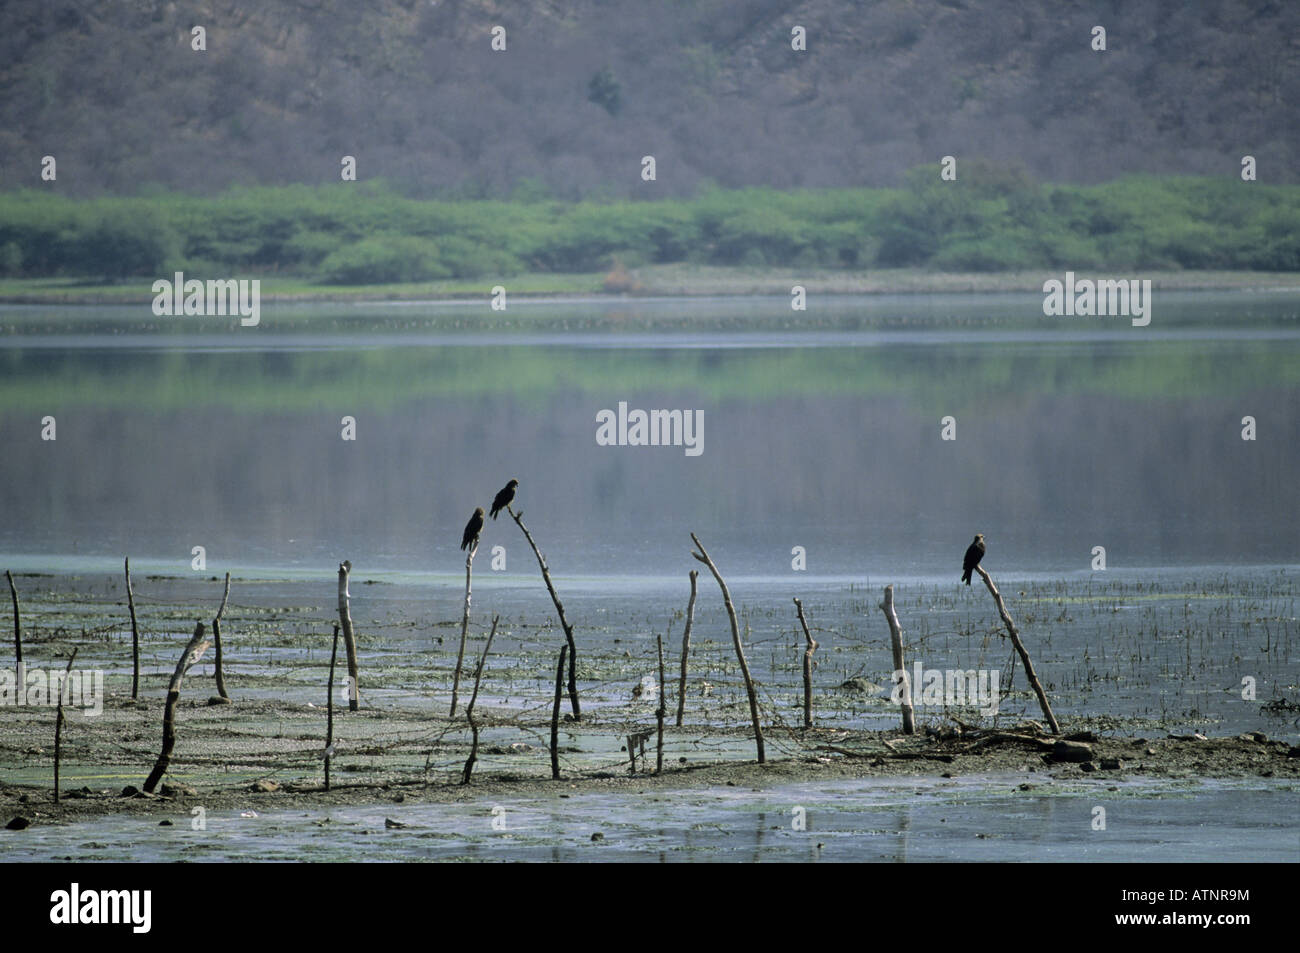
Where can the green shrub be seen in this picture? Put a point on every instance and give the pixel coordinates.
(383, 260)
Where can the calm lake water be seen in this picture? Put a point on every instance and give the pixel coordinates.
(822, 432)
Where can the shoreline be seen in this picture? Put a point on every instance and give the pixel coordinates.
(831, 755)
(658, 281)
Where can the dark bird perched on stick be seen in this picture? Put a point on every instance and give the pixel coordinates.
(974, 553)
(504, 498)
(473, 528)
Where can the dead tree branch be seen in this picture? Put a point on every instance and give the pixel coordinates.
(555, 715)
(807, 666)
(58, 723)
(469, 709)
(559, 609)
(349, 640)
(464, 628)
(135, 635)
(686, 648)
(900, 667)
(193, 652)
(1020, 648)
(703, 557)
(216, 641)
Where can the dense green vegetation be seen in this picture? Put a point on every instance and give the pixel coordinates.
(993, 218)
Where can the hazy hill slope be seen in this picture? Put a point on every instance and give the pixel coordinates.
(585, 88)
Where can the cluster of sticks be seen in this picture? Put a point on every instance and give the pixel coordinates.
(197, 645)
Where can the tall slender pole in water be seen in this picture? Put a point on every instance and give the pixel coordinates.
(349, 640)
(329, 708)
(135, 635)
(807, 666)
(686, 648)
(896, 643)
(58, 725)
(18, 635)
(464, 628)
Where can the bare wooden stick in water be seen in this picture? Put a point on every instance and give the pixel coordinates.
(464, 628)
(807, 666)
(135, 634)
(58, 725)
(216, 641)
(1020, 647)
(559, 610)
(660, 712)
(329, 709)
(18, 634)
(555, 716)
(193, 652)
(686, 648)
(896, 643)
(703, 557)
(469, 709)
(349, 640)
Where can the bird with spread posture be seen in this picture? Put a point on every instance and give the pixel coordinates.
(472, 528)
(974, 554)
(504, 498)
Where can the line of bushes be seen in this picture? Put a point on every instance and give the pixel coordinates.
(992, 218)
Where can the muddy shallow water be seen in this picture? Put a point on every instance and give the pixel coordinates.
(1132, 660)
(987, 818)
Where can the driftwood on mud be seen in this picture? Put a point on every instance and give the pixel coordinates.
(469, 709)
(896, 645)
(216, 642)
(1020, 648)
(18, 635)
(559, 610)
(135, 635)
(660, 711)
(703, 557)
(464, 628)
(349, 640)
(807, 666)
(686, 648)
(193, 652)
(58, 724)
(329, 708)
(555, 715)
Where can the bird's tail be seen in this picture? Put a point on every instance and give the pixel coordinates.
(965, 577)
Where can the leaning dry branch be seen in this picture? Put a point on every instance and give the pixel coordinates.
(135, 635)
(559, 609)
(464, 628)
(349, 640)
(1020, 647)
(18, 635)
(807, 666)
(686, 648)
(58, 724)
(329, 708)
(555, 715)
(216, 642)
(193, 652)
(703, 557)
(900, 668)
(469, 709)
